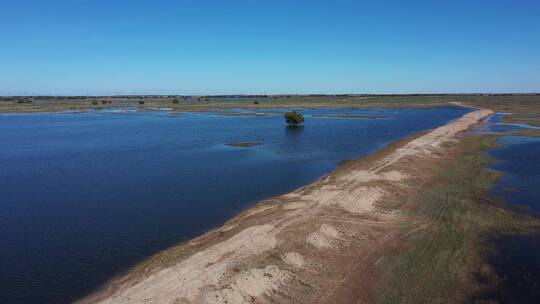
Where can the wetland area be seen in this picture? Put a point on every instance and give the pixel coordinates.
(89, 195)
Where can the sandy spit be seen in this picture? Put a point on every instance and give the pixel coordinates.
(295, 248)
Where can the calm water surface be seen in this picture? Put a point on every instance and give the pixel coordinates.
(517, 261)
(84, 196)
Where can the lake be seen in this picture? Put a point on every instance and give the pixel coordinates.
(85, 196)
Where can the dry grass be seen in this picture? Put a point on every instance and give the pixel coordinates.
(447, 225)
(497, 103)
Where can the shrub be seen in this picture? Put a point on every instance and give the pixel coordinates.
(175, 101)
(95, 102)
(103, 102)
(294, 118)
(255, 102)
(141, 102)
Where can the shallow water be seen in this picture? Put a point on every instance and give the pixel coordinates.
(519, 160)
(87, 195)
(517, 261)
(494, 125)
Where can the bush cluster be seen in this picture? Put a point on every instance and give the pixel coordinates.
(294, 118)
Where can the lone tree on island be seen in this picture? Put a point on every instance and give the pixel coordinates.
(294, 118)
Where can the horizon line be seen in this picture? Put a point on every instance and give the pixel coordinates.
(280, 94)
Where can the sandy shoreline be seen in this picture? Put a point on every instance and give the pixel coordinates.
(302, 247)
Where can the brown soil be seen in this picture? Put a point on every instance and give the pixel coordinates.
(317, 244)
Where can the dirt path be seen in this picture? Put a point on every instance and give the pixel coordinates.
(314, 245)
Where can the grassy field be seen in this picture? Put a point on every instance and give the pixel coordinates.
(41, 104)
(447, 230)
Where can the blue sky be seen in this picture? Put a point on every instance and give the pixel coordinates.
(224, 47)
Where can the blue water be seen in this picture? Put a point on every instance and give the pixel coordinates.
(494, 125)
(517, 261)
(519, 160)
(84, 196)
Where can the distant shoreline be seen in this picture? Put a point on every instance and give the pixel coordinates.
(212, 103)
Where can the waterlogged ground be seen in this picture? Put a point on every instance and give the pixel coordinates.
(517, 261)
(86, 195)
(519, 159)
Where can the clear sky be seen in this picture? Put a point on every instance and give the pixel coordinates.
(255, 46)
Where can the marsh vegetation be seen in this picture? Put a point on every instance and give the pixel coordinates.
(450, 224)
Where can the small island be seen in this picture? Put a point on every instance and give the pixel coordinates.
(245, 144)
(353, 116)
